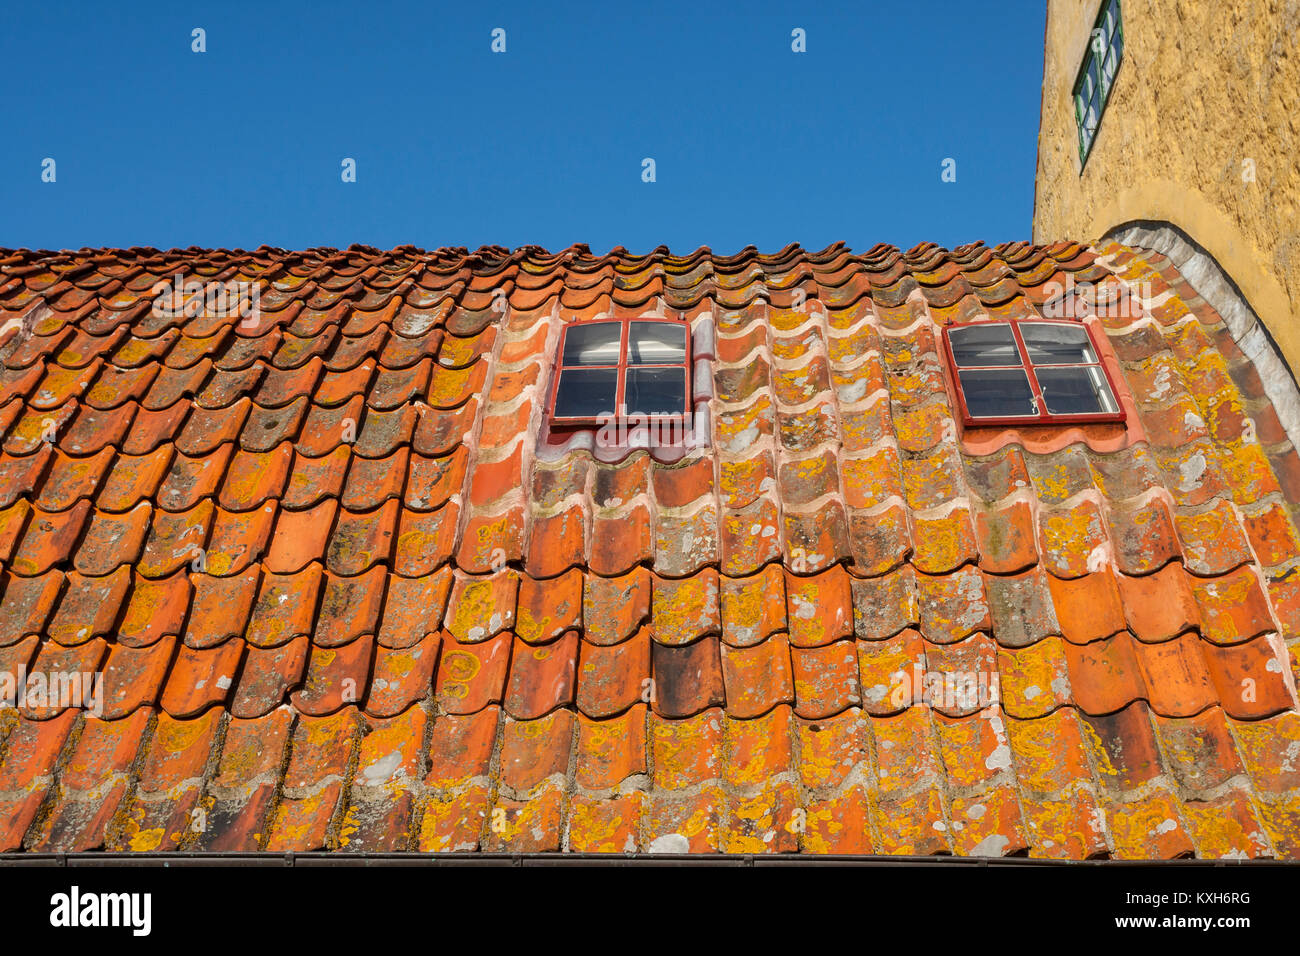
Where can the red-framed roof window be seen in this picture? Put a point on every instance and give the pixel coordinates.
(611, 369)
(1030, 371)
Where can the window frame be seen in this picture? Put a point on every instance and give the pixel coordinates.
(1042, 416)
(1114, 43)
(620, 398)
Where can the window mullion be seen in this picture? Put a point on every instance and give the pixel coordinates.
(620, 399)
(1028, 367)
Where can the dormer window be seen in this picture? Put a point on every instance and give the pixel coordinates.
(616, 368)
(1029, 372)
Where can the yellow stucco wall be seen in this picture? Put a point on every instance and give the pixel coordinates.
(1204, 86)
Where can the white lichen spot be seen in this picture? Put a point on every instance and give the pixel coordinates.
(1190, 472)
(669, 843)
(992, 845)
(742, 440)
(1162, 383)
(382, 769)
(852, 393)
(1000, 759)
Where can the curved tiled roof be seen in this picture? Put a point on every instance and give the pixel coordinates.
(344, 598)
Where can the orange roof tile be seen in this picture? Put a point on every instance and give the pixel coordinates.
(347, 592)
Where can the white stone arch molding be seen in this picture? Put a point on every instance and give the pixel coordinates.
(1212, 283)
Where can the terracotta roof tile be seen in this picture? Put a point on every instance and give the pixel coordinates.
(32, 750)
(133, 479)
(613, 678)
(413, 608)
(171, 784)
(92, 785)
(472, 676)
(49, 539)
(193, 480)
(613, 608)
(201, 678)
(268, 675)
(28, 602)
(70, 480)
(542, 677)
(402, 676)
(346, 593)
(220, 608)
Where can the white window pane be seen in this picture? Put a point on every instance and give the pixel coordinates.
(656, 391)
(656, 343)
(1057, 344)
(1075, 391)
(991, 344)
(586, 393)
(596, 343)
(997, 393)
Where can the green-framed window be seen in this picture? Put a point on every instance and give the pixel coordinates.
(1097, 74)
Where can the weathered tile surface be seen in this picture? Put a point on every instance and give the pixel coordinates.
(347, 593)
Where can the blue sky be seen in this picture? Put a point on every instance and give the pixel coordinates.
(753, 143)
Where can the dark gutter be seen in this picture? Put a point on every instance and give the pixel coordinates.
(346, 859)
